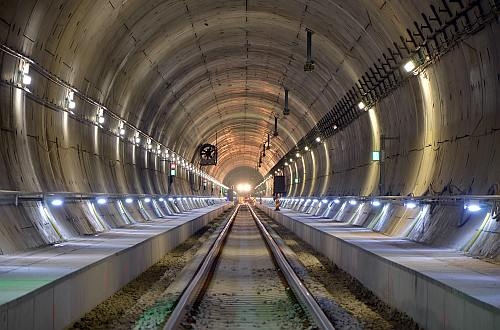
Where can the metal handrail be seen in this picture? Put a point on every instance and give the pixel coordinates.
(424, 199)
(20, 196)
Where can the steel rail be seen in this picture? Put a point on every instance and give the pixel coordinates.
(293, 280)
(198, 281)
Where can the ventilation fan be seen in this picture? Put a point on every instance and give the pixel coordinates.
(208, 154)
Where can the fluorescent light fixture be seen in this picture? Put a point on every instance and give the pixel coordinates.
(324, 201)
(170, 199)
(318, 139)
(336, 201)
(57, 202)
(376, 155)
(161, 199)
(26, 80)
(101, 200)
(353, 202)
(128, 200)
(410, 205)
(147, 200)
(376, 203)
(361, 105)
(25, 67)
(409, 66)
(473, 207)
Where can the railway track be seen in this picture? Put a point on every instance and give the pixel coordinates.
(246, 282)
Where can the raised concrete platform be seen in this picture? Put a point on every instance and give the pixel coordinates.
(52, 287)
(438, 288)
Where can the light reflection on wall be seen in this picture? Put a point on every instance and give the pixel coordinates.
(296, 175)
(303, 183)
(324, 187)
(312, 185)
(372, 179)
(117, 156)
(424, 169)
(96, 140)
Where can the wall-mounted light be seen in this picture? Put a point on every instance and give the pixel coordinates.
(318, 139)
(101, 200)
(121, 128)
(297, 155)
(128, 200)
(472, 207)
(376, 155)
(376, 203)
(147, 200)
(336, 201)
(353, 202)
(57, 202)
(410, 205)
(361, 105)
(24, 70)
(70, 100)
(410, 66)
(306, 148)
(100, 116)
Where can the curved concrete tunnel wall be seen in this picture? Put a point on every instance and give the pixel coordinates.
(161, 67)
(447, 122)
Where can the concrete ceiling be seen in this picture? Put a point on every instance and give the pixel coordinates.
(187, 72)
(193, 72)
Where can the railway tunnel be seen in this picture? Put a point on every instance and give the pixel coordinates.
(127, 125)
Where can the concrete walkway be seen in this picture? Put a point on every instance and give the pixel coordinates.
(48, 288)
(440, 288)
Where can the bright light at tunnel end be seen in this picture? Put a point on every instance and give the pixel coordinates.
(243, 187)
